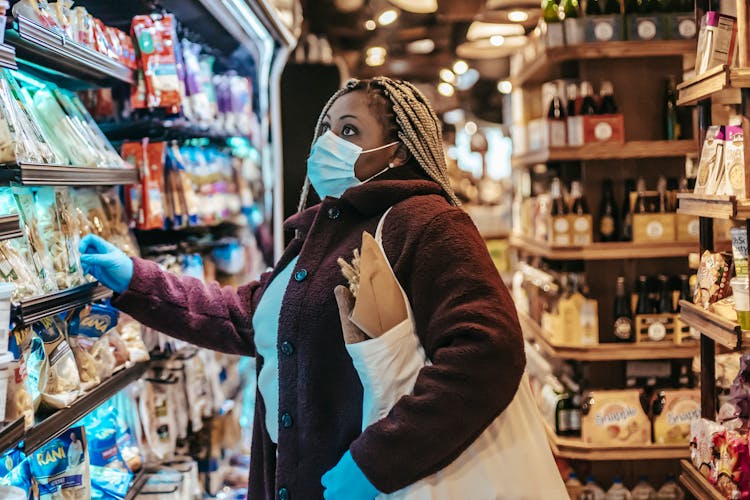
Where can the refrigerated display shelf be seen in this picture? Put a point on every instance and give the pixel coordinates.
(37, 174)
(696, 483)
(721, 84)
(28, 311)
(11, 434)
(57, 423)
(603, 251)
(43, 51)
(724, 332)
(605, 352)
(607, 151)
(10, 227)
(573, 448)
(7, 57)
(542, 67)
(715, 206)
(166, 129)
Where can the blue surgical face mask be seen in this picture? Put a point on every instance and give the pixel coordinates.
(330, 166)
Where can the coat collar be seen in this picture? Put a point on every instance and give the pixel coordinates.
(373, 197)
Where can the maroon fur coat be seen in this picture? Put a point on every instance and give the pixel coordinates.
(464, 316)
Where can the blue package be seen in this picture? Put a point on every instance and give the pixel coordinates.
(93, 321)
(62, 464)
(14, 471)
(102, 439)
(110, 484)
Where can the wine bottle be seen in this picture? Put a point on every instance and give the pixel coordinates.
(588, 106)
(644, 305)
(558, 204)
(593, 8)
(580, 207)
(623, 315)
(572, 106)
(672, 129)
(666, 301)
(608, 219)
(626, 228)
(608, 105)
(556, 110)
(641, 204)
(684, 290)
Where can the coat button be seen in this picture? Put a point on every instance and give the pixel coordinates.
(287, 348)
(283, 494)
(300, 275)
(334, 213)
(286, 421)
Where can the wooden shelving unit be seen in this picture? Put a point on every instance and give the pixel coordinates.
(724, 332)
(696, 484)
(606, 352)
(575, 449)
(722, 84)
(603, 251)
(608, 151)
(714, 206)
(542, 67)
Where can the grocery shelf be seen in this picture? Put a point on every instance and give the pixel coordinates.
(715, 206)
(58, 422)
(541, 68)
(11, 434)
(28, 311)
(721, 83)
(575, 449)
(136, 485)
(10, 227)
(606, 352)
(167, 129)
(724, 332)
(603, 251)
(607, 151)
(43, 51)
(696, 483)
(7, 57)
(37, 174)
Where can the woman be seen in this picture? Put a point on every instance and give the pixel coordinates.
(377, 145)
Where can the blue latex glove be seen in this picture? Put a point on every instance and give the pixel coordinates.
(106, 262)
(347, 482)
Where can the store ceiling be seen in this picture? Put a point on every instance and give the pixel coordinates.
(343, 22)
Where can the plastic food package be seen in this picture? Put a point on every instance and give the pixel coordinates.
(196, 388)
(61, 11)
(172, 372)
(732, 470)
(120, 235)
(130, 333)
(736, 412)
(91, 216)
(109, 484)
(15, 471)
(117, 347)
(158, 418)
(702, 433)
(37, 11)
(61, 467)
(84, 23)
(155, 37)
(58, 225)
(15, 269)
(713, 276)
(19, 401)
(87, 335)
(129, 430)
(37, 249)
(63, 382)
(101, 431)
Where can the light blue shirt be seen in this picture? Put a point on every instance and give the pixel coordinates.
(266, 329)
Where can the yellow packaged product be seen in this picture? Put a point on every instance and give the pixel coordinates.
(673, 411)
(615, 418)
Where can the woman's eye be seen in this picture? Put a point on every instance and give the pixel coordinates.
(348, 131)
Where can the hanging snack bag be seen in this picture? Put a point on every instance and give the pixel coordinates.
(153, 187)
(61, 467)
(154, 36)
(38, 253)
(58, 228)
(19, 401)
(158, 418)
(90, 347)
(63, 382)
(102, 439)
(37, 11)
(15, 471)
(130, 333)
(713, 276)
(129, 430)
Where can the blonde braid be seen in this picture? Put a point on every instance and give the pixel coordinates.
(418, 128)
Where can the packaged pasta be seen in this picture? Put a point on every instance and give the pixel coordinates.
(63, 381)
(36, 368)
(15, 471)
(120, 233)
(38, 11)
(71, 234)
(14, 268)
(129, 430)
(157, 413)
(37, 249)
(88, 331)
(118, 348)
(109, 484)
(61, 467)
(101, 432)
(19, 402)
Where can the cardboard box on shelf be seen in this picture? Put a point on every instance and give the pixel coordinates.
(688, 227)
(589, 129)
(614, 418)
(603, 28)
(653, 228)
(716, 41)
(681, 26)
(673, 412)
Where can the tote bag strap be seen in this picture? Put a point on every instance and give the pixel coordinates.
(379, 230)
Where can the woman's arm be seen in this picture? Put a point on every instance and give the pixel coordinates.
(185, 308)
(468, 326)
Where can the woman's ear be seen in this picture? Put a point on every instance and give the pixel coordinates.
(401, 156)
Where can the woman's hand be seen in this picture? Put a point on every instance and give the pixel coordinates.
(346, 481)
(106, 262)
(345, 301)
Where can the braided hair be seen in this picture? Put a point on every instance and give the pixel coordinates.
(407, 116)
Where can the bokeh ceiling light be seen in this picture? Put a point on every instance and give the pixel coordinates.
(416, 6)
(376, 52)
(446, 89)
(497, 40)
(447, 75)
(375, 61)
(424, 46)
(387, 17)
(470, 128)
(504, 87)
(484, 49)
(370, 25)
(460, 67)
(468, 79)
(518, 16)
(479, 30)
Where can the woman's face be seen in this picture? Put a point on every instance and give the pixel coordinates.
(351, 118)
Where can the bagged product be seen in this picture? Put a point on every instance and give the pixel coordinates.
(713, 277)
(15, 471)
(14, 268)
(121, 235)
(158, 418)
(37, 11)
(63, 14)
(703, 432)
(129, 430)
(63, 382)
(86, 334)
(172, 372)
(36, 368)
(61, 467)
(711, 161)
(130, 333)
(19, 402)
(156, 46)
(109, 484)
(71, 233)
(102, 439)
(732, 465)
(37, 249)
